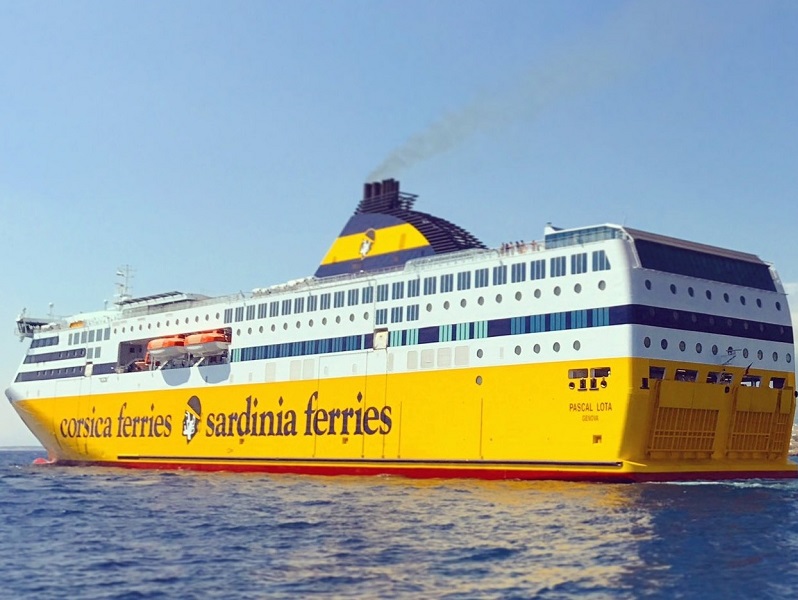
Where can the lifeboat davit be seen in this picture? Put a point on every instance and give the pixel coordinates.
(167, 348)
(208, 343)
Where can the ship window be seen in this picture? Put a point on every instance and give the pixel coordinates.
(250, 312)
(91, 336)
(500, 275)
(686, 375)
(429, 285)
(577, 373)
(368, 294)
(600, 261)
(656, 372)
(413, 287)
(777, 383)
(325, 301)
(578, 263)
(228, 315)
(338, 299)
(557, 266)
(382, 292)
(412, 312)
(396, 314)
(274, 309)
(381, 316)
(464, 280)
(286, 307)
(352, 297)
(447, 283)
(239, 313)
(263, 311)
(481, 278)
(90, 353)
(601, 372)
(312, 303)
(83, 336)
(299, 305)
(97, 352)
(537, 269)
(518, 272)
(107, 333)
(726, 378)
(751, 381)
(398, 290)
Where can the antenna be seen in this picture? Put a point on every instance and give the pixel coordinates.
(123, 287)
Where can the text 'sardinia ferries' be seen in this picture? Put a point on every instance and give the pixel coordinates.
(597, 353)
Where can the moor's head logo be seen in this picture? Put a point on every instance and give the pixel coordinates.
(191, 420)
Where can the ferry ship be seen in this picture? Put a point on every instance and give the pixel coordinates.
(599, 353)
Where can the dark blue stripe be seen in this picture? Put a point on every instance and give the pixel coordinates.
(360, 223)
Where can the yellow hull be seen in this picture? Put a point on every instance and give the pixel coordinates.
(514, 422)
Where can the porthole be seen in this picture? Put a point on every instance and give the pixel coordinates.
(778, 305)
(556, 346)
(714, 349)
(537, 293)
(249, 331)
(260, 329)
(273, 327)
(536, 348)
(480, 300)
(158, 324)
(557, 290)
(577, 345)
(238, 332)
(664, 344)
(742, 300)
(207, 317)
(745, 352)
(310, 323)
(690, 291)
(149, 325)
(479, 380)
(366, 316)
(324, 321)
(298, 324)
(729, 350)
(123, 330)
(429, 307)
(499, 298)
(186, 320)
(682, 346)
(648, 284)
(285, 326)
(725, 297)
(602, 285)
(760, 355)
(759, 302)
(196, 319)
(518, 295)
(167, 323)
(673, 288)
(463, 303)
(480, 353)
(352, 317)
(647, 342)
(698, 348)
(446, 305)
(709, 295)
(141, 327)
(217, 315)
(775, 356)
(518, 349)
(578, 288)
(789, 357)
(338, 319)
(114, 330)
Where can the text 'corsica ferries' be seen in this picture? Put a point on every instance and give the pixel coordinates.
(598, 353)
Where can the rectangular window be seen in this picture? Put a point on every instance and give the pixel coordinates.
(85, 334)
(239, 313)
(600, 261)
(312, 303)
(338, 299)
(352, 297)
(518, 272)
(429, 285)
(557, 266)
(382, 292)
(263, 310)
(398, 291)
(464, 280)
(685, 375)
(447, 283)
(412, 312)
(274, 308)
(325, 301)
(413, 287)
(368, 295)
(299, 305)
(396, 314)
(481, 278)
(91, 336)
(537, 269)
(286, 309)
(382, 316)
(578, 263)
(500, 275)
(228, 316)
(107, 333)
(250, 312)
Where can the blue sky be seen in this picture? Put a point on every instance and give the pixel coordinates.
(221, 146)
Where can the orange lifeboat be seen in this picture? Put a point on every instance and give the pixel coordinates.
(167, 348)
(207, 343)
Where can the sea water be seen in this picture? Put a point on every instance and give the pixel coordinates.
(114, 533)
